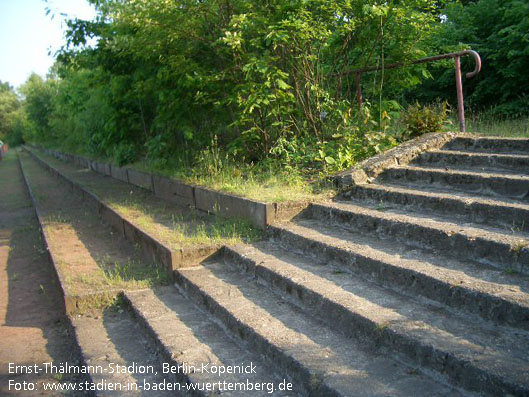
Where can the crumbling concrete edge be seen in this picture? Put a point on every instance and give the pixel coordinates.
(369, 169)
(151, 247)
(227, 205)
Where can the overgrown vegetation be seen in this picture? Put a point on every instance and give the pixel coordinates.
(12, 116)
(188, 229)
(235, 94)
(421, 119)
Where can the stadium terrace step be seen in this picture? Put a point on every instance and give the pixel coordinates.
(489, 144)
(475, 288)
(488, 184)
(504, 214)
(316, 355)
(482, 161)
(193, 346)
(444, 340)
(419, 230)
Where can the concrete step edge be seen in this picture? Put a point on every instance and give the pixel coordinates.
(495, 185)
(478, 210)
(502, 144)
(175, 352)
(499, 250)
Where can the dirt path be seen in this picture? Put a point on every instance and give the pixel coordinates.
(33, 328)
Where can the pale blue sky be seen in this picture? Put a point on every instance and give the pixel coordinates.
(27, 34)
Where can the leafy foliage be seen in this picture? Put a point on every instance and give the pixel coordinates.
(422, 119)
(9, 113)
(205, 86)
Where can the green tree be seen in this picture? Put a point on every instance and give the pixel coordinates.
(9, 106)
(259, 79)
(39, 95)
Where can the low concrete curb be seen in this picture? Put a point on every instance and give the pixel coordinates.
(224, 204)
(369, 169)
(152, 248)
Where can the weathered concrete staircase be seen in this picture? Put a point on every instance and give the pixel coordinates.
(413, 285)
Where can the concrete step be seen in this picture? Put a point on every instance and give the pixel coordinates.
(481, 161)
(320, 357)
(489, 144)
(419, 230)
(105, 342)
(490, 184)
(84, 251)
(475, 288)
(194, 346)
(426, 333)
(507, 214)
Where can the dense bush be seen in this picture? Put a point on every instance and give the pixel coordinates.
(9, 115)
(267, 81)
(422, 119)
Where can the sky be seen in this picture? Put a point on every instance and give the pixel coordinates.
(27, 34)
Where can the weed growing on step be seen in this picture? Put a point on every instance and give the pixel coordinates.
(380, 328)
(382, 207)
(187, 227)
(517, 247)
(217, 230)
(132, 275)
(56, 218)
(97, 301)
(517, 228)
(511, 271)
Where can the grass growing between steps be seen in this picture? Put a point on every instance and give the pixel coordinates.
(176, 226)
(186, 228)
(94, 263)
(89, 267)
(265, 184)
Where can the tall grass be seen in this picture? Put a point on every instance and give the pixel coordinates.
(266, 181)
(493, 125)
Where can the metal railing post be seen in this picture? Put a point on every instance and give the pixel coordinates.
(459, 83)
(459, 89)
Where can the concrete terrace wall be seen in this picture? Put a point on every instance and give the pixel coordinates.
(224, 204)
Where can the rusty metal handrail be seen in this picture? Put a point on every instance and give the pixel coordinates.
(459, 84)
